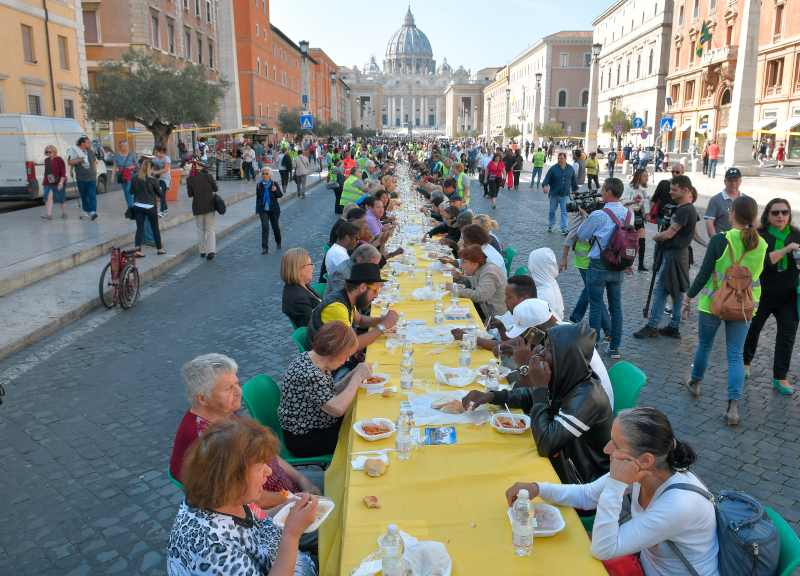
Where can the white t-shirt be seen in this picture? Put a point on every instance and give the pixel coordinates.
(335, 256)
(158, 164)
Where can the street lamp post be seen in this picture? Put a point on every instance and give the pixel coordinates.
(536, 104)
(349, 124)
(304, 76)
(334, 102)
(508, 109)
(593, 120)
(522, 117)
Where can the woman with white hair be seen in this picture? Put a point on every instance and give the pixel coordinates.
(488, 224)
(543, 268)
(214, 394)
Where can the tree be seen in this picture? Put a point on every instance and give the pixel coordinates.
(511, 131)
(461, 134)
(330, 130)
(142, 88)
(550, 130)
(618, 116)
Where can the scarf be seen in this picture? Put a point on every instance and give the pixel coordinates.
(266, 194)
(780, 239)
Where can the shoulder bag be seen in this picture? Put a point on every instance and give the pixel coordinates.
(219, 204)
(733, 298)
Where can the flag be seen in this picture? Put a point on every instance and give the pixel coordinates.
(705, 36)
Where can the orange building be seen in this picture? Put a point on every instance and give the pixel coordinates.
(322, 87)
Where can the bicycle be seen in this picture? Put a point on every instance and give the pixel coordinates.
(119, 281)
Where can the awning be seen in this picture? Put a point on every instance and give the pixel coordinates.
(245, 130)
(786, 125)
(762, 124)
(684, 126)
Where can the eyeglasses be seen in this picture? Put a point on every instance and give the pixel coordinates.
(678, 172)
(309, 264)
(781, 212)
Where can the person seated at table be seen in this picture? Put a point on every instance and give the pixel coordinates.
(646, 460)
(375, 211)
(543, 268)
(489, 225)
(438, 206)
(570, 412)
(348, 236)
(451, 225)
(358, 293)
(483, 282)
(475, 235)
(339, 221)
(299, 298)
(215, 530)
(363, 253)
(214, 394)
(312, 405)
(454, 199)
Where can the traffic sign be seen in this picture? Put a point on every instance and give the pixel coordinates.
(306, 121)
(133, 131)
(649, 129)
(638, 122)
(644, 134)
(618, 127)
(667, 124)
(186, 126)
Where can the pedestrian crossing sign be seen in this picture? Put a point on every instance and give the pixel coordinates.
(307, 122)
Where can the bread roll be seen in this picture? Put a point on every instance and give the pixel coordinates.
(437, 404)
(453, 407)
(374, 467)
(387, 392)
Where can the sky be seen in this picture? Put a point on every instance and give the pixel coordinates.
(469, 33)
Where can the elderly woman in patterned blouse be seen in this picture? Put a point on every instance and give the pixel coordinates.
(312, 405)
(215, 531)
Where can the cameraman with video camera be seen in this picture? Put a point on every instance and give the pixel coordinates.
(677, 232)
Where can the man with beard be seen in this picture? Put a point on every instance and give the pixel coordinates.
(358, 293)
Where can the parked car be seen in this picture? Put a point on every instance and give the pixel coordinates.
(104, 152)
(22, 154)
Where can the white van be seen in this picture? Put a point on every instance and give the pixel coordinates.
(22, 153)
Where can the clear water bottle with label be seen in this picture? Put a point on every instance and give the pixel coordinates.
(402, 331)
(472, 333)
(438, 311)
(492, 376)
(465, 356)
(402, 438)
(522, 526)
(406, 373)
(429, 276)
(411, 270)
(384, 307)
(392, 549)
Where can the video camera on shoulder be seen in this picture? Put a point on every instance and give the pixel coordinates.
(587, 200)
(669, 212)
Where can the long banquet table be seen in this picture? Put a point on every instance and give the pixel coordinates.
(442, 490)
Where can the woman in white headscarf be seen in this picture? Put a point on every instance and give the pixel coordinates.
(543, 268)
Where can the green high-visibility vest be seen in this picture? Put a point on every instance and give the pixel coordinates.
(582, 255)
(330, 159)
(461, 187)
(350, 194)
(445, 171)
(753, 261)
(438, 167)
(538, 159)
(362, 161)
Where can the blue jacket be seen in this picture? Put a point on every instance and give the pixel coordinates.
(262, 191)
(562, 182)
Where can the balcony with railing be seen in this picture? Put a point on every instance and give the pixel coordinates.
(717, 55)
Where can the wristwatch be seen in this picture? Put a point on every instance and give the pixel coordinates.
(381, 327)
(523, 370)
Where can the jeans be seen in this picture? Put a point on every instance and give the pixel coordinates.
(787, 321)
(583, 303)
(660, 301)
(735, 334)
(152, 216)
(600, 280)
(537, 172)
(642, 164)
(266, 218)
(126, 189)
(88, 191)
(164, 189)
(611, 171)
(592, 178)
(248, 171)
(712, 168)
(558, 202)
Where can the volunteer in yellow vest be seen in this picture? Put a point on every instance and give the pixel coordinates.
(446, 167)
(354, 188)
(592, 166)
(538, 164)
(462, 182)
(751, 248)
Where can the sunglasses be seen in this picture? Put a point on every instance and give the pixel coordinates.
(374, 288)
(48, 151)
(676, 172)
(780, 212)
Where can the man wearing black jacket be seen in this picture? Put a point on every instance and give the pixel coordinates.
(571, 415)
(452, 225)
(662, 195)
(268, 209)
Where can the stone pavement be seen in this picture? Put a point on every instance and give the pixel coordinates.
(90, 412)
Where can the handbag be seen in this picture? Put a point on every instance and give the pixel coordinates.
(219, 204)
(48, 173)
(332, 185)
(129, 213)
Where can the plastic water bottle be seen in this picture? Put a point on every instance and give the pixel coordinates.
(465, 357)
(492, 376)
(384, 307)
(402, 439)
(438, 309)
(392, 549)
(406, 372)
(401, 327)
(472, 333)
(411, 270)
(428, 277)
(522, 527)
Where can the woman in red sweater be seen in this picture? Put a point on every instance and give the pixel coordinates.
(495, 172)
(54, 182)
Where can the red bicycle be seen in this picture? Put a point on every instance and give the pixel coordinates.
(119, 281)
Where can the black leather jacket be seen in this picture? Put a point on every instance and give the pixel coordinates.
(571, 421)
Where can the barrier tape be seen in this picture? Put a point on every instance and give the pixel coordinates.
(103, 132)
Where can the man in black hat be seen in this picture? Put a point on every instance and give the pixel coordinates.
(359, 291)
(717, 215)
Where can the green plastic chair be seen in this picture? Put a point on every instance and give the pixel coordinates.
(299, 336)
(626, 381)
(790, 544)
(508, 256)
(178, 484)
(325, 276)
(294, 326)
(262, 396)
(326, 248)
(320, 288)
(588, 522)
(521, 271)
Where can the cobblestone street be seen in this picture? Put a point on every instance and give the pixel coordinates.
(90, 412)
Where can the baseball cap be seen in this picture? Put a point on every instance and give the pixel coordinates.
(454, 197)
(529, 313)
(733, 173)
(464, 218)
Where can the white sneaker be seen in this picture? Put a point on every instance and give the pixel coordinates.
(85, 216)
(161, 214)
(166, 211)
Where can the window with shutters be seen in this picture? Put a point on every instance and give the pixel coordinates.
(34, 105)
(564, 60)
(210, 54)
(63, 53)
(187, 44)
(171, 36)
(208, 11)
(27, 45)
(69, 108)
(156, 39)
(199, 50)
(562, 99)
(197, 8)
(91, 31)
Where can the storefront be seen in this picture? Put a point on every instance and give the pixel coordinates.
(788, 132)
(684, 136)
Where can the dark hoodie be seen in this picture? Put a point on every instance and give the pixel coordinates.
(571, 420)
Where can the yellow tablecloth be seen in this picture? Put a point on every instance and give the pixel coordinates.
(441, 490)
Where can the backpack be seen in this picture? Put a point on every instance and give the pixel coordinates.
(749, 544)
(733, 299)
(620, 252)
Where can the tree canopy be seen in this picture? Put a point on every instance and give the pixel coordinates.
(550, 130)
(142, 88)
(511, 131)
(618, 116)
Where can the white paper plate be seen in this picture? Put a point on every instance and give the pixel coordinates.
(385, 377)
(360, 432)
(539, 532)
(425, 256)
(517, 418)
(481, 379)
(324, 504)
